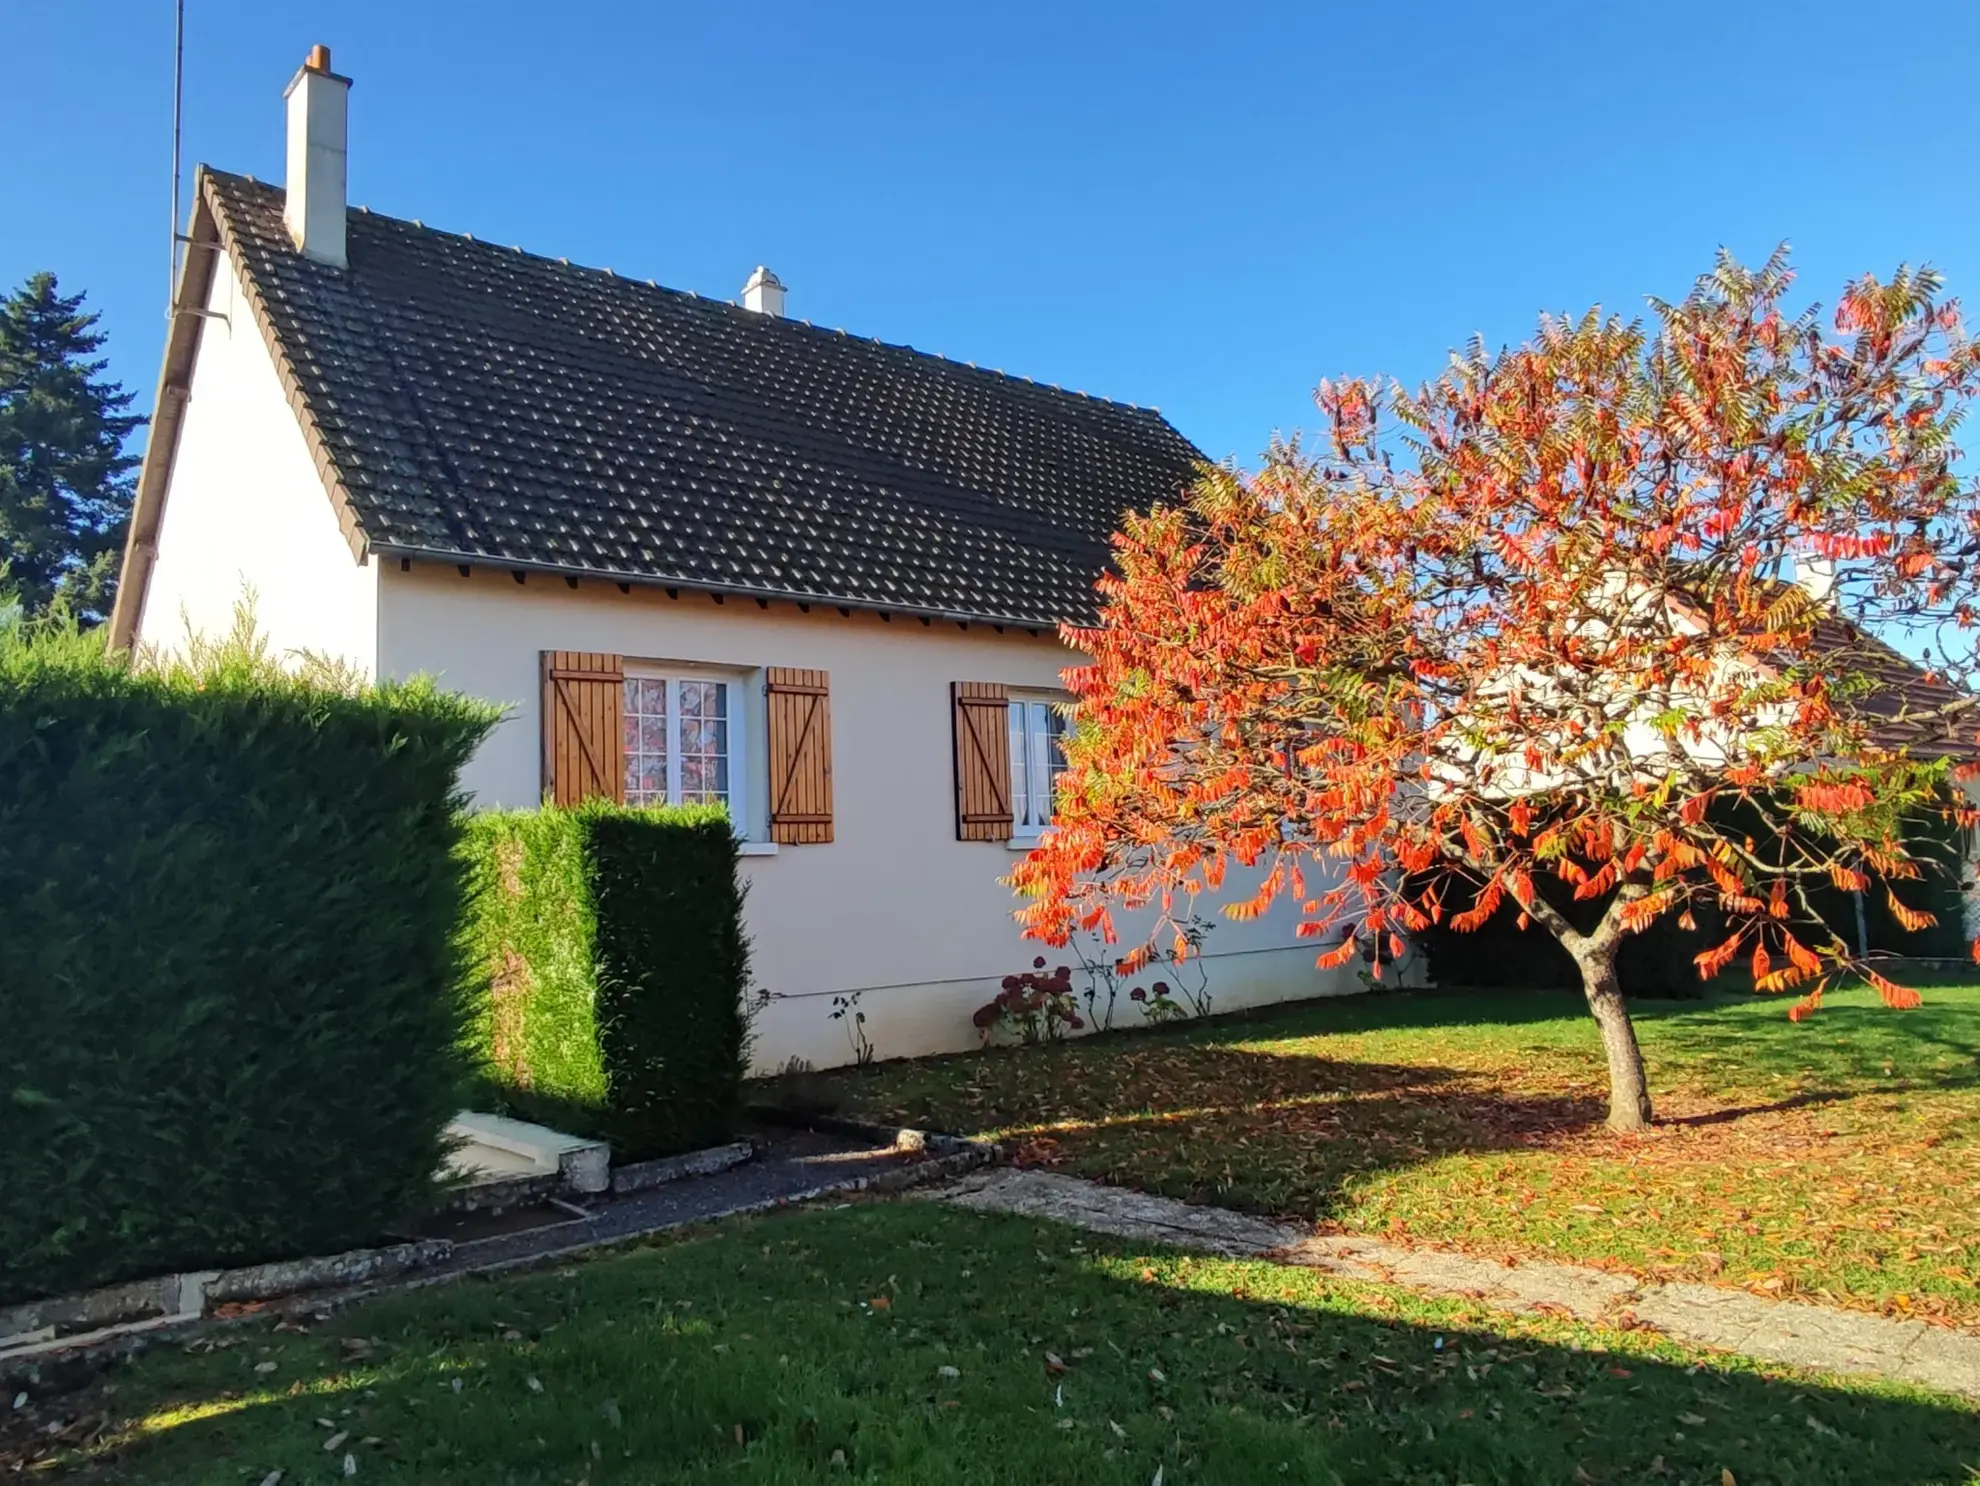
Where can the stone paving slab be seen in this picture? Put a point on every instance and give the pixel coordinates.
(1083, 1204)
(1783, 1331)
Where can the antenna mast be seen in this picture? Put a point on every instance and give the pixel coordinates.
(178, 117)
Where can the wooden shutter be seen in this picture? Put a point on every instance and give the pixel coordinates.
(983, 760)
(800, 755)
(584, 705)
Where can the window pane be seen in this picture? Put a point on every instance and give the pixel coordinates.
(1020, 751)
(1055, 756)
(1041, 769)
(704, 742)
(644, 741)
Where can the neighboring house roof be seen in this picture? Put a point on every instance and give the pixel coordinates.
(480, 404)
(1917, 711)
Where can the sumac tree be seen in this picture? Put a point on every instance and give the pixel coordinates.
(1535, 620)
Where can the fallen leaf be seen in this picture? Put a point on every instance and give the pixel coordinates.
(535, 1383)
(945, 1371)
(1054, 1364)
(1726, 1477)
(881, 1303)
(1693, 1420)
(273, 1478)
(350, 1464)
(330, 1445)
(264, 1367)
(610, 1409)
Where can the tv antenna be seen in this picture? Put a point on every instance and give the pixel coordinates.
(178, 121)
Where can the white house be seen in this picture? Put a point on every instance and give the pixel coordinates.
(704, 551)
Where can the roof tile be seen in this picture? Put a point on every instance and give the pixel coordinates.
(485, 404)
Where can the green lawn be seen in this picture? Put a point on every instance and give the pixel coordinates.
(907, 1342)
(1838, 1157)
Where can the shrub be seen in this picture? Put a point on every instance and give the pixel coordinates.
(231, 993)
(613, 964)
(1036, 1005)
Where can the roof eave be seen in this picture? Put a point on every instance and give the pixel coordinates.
(702, 585)
(189, 295)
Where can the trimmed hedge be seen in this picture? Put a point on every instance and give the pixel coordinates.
(231, 988)
(613, 968)
(1660, 961)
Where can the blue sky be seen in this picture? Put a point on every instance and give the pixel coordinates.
(1205, 208)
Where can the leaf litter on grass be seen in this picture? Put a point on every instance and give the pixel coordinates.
(1840, 1165)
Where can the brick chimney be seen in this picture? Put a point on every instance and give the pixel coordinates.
(319, 117)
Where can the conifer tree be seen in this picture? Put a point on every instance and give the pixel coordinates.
(66, 479)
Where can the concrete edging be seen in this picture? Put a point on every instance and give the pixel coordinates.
(642, 1176)
(63, 1326)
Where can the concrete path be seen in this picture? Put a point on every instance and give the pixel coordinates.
(1783, 1331)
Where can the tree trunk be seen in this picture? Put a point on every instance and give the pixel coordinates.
(1629, 1089)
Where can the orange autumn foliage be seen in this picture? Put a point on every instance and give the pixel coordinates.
(1530, 624)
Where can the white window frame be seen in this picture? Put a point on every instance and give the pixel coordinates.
(736, 694)
(1030, 728)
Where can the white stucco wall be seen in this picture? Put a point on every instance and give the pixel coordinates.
(894, 907)
(247, 510)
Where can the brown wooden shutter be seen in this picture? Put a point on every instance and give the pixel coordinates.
(983, 760)
(584, 706)
(800, 755)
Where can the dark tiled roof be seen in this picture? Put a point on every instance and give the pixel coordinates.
(1911, 708)
(487, 404)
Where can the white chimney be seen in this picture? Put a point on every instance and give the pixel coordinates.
(1816, 575)
(764, 292)
(319, 118)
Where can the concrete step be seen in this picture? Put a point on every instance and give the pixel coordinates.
(497, 1148)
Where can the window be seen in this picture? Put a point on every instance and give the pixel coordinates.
(683, 742)
(1037, 759)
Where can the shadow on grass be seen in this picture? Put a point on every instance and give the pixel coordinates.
(1812, 1099)
(913, 1343)
(1265, 1113)
(1241, 1126)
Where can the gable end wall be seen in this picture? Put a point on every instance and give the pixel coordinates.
(246, 510)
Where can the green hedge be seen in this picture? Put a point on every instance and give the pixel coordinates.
(231, 988)
(614, 967)
(1660, 961)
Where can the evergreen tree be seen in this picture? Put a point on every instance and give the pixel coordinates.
(65, 481)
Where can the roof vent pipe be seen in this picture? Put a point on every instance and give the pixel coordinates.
(317, 188)
(764, 293)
